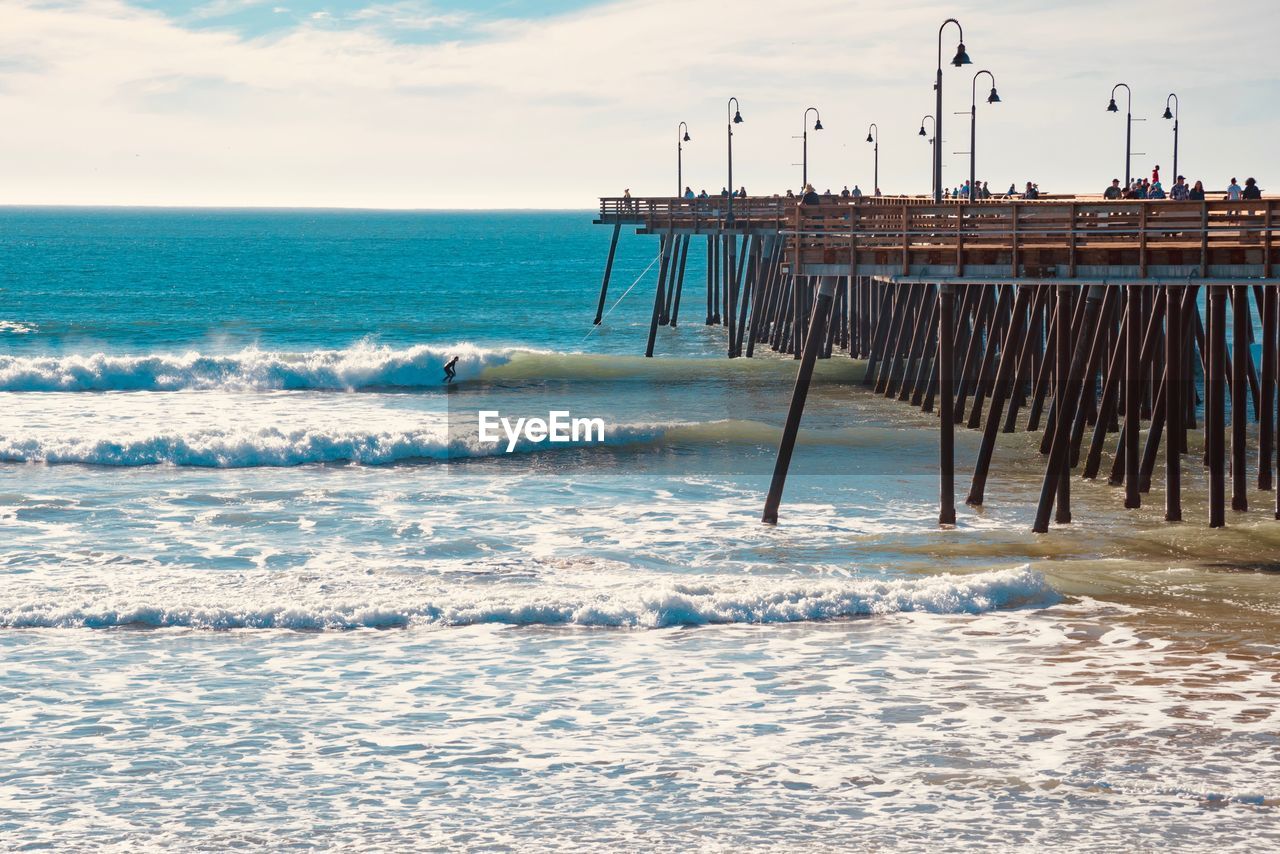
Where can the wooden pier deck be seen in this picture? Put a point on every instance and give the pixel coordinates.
(1081, 316)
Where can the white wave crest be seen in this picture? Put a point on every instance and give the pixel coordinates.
(709, 601)
(17, 327)
(272, 447)
(349, 369)
(370, 366)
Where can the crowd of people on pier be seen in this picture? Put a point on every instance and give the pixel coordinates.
(1180, 191)
(1138, 188)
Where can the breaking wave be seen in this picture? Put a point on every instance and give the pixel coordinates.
(272, 447)
(360, 367)
(709, 602)
(370, 366)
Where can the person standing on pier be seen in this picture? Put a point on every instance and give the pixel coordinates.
(1155, 174)
(1251, 190)
(1179, 191)
(1233, 191)
(1113, 192)
(1197, 192)
(811, 196)
(449, 373)
(688, 192)
(857, 191)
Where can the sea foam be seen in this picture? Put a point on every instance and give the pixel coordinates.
(349, 369)
(709, 601)
(373, 366)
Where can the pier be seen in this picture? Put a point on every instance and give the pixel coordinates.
(1095, 323)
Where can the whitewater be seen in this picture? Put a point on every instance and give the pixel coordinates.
(262, 586)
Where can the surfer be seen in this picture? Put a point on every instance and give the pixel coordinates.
(448, 369)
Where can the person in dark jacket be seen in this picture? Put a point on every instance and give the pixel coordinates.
(1197, 192)
(811, 196)
(1251, 190)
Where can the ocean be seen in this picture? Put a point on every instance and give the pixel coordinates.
(263, 585)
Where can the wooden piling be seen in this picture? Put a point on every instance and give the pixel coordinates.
(1266, 409)
(608, 271)
(946, 408)
(675, 303)
(1000, 391)
(664, 252)
(1173, 363)
(1214, 403)
(1239, 407)
(813, 342)
(1132, 400)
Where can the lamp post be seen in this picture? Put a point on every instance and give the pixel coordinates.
(993, 98)
(682, 136)
(1173, 115)
(804, 132)
(875, 176)
(735, 118)
(961, 58)
(931, 143)
(1128, 126)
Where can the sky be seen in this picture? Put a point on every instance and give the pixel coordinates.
(553, 103)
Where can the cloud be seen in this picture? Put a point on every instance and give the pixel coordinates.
(222, 8)
(555, 111)
(406, 16)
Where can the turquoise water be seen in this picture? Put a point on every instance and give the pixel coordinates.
(262, 584)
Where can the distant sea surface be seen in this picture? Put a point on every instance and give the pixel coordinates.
(263, 585)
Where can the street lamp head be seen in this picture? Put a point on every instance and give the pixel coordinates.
(869, 139)
(737, 117)
(817, 125)
(1168, 114)
(962, 56)
(994, 97)
(1112, 108)
(686, 136)
(922, 133)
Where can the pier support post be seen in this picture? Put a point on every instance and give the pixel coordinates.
(1266, 411)
(1132, 398)
(812, 344)
(665, 253)
(608, 271)
(947, 406)
(683, 245)
(711, 279)
(1215, 421)
(1173, 402)
(1063, 399)
(1003, 386)
(731, 290)
(1068, 369)
(1240, 330)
